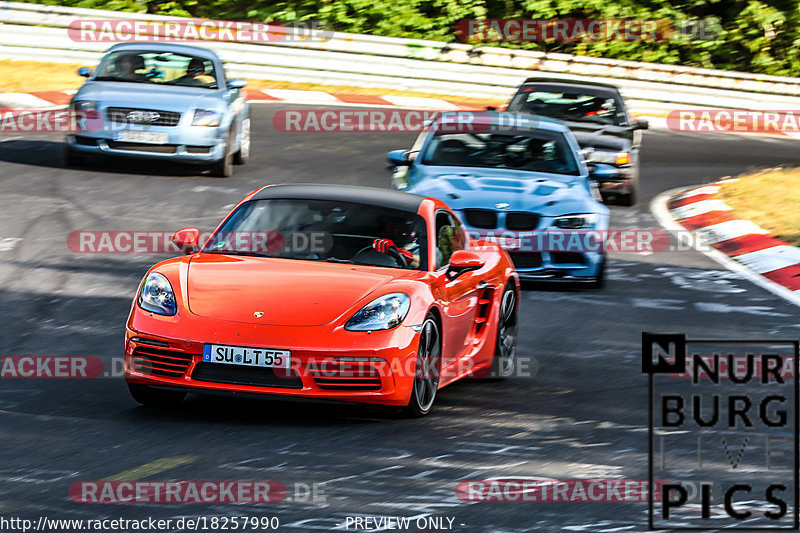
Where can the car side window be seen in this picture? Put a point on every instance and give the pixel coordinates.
(449, 238)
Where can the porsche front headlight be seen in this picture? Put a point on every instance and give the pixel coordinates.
(385, 312)
(157, 296)
(583, 221)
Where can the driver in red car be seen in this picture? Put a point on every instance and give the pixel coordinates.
(402, 241)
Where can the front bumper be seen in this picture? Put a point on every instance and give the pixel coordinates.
(184, 143)
(381, 373)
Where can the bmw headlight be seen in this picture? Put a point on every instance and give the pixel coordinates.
(157, 296)
(86, 107)
(206, 117)
(583, 221)
(385, 312)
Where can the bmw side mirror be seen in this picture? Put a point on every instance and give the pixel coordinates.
(641, 124)
(237, 83)
(398, 158)
(85, 72)
(187, 239)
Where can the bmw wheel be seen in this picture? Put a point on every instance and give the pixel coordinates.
(426, 374)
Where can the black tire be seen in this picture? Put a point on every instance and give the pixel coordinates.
(627, 200)
(73, 158)
(155, 397)
(505, 347)
(224, 167)
(426, 371)
(600, 281)
(243, 153)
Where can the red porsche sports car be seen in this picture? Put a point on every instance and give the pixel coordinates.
(327, 292)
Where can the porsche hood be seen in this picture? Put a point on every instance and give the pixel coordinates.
(287, 292)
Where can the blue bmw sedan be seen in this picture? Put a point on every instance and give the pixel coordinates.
(519, 180)
(161, 101)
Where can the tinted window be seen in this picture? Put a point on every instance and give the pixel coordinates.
(321, 230)
(538, 151)
(449, 238)
(165, 68)
(578, 105)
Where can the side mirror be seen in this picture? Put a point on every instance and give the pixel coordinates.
(85, 72)
(237, 83)
(463, 261)
(398, 158)
(641, 124)
(187, 239)
(601, 171)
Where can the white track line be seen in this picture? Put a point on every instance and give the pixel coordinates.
(699, 208)
(658, 206)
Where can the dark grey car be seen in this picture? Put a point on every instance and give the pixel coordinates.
(596, 114)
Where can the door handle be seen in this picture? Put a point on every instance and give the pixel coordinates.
(482, 284)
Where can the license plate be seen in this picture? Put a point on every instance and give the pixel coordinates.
(145, 137)
(246, 356)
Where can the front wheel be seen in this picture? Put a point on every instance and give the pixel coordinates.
(224, 167)
(155, 397)
(506, 344)
(426, 374)
(243, 153)
(600, 280)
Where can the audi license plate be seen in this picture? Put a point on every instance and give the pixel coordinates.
(246, 356)
(145, 137)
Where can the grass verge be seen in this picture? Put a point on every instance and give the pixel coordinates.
(770, 198)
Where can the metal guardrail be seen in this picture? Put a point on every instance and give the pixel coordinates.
(39, 32)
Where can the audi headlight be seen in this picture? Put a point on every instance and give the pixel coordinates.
(610, 158)
(87, 107)
(575, 221)
(385, 312)
(206, 117)
(157, 296)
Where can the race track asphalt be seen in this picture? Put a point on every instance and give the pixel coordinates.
(581, 413)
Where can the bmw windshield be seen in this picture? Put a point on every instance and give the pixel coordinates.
(535, 151)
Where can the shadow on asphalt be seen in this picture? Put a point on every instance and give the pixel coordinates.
(50, 154)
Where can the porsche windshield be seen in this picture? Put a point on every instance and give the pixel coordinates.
(165, 68)
(537, 151)
(323, 230)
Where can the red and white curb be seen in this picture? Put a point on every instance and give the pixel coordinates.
(739, 245)
(48, 99)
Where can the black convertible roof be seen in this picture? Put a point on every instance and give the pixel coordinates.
(389, 199)
(574, 83)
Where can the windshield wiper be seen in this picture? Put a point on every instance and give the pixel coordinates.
(337, 260)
